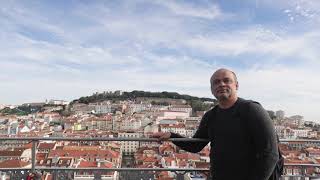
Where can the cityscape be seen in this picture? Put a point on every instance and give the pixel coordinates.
(110, 115)
(85, 85)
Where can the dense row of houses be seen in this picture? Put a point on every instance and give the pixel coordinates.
(126, 119)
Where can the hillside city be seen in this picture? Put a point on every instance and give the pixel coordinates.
(130, 118)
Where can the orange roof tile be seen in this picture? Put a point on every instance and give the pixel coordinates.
(13, 164)
(44, 145)
(164, 148)
(150, 159)
(187, 156)
(87, 164)
(297, 161)
(41, 155)
(202, 164)
(85, 153)
(313, 150)
(81, 148)
(11, 153)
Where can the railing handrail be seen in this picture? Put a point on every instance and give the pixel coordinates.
(97, 139)
(126, 139)
(107, 169)
(35, 140)
(129, 169)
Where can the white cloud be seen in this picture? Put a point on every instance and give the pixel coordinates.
(298, 11)
(258, 41)
(210, 11)
(293, 90)
(17, 17)
(27, 49)
(171, 49)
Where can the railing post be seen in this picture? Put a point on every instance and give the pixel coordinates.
(33, 160)
(55, 175)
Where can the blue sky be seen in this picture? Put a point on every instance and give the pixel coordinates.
(68, 49)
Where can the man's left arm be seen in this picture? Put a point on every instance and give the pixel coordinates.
(264, 140)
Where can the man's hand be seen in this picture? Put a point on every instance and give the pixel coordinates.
(161, 135)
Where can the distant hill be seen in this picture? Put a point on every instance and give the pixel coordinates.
(198, 104)
(21, 110)
(98, 97)
(27, 108)
(160, 98)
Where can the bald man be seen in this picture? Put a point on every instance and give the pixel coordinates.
(241, 134)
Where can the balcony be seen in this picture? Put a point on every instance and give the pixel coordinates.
(100, 173)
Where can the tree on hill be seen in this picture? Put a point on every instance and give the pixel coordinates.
(98, 97)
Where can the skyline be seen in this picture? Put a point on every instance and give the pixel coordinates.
(68, 49)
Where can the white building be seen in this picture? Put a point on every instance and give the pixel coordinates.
(301, 133)
(13, 128)
(175, 128)
(182, 108)
(279, 130)
(130, 124)
(172, 115)
(58, 102)
(135, 108)
(102, 108)
(288, 133)
(297, 120)
(190, 132)
(129, 147)
(280, 114)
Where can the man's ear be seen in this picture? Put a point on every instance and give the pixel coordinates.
(237, 85)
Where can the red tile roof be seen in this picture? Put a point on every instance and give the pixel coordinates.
(164, 148)
(150, 160)
(41, 155)
(13, 164)
(187, 156)
(85, 153)
(313, 150)
(81, 148)
(11, 153)
(44, 145)
(291, 152)
(87, 164)
(297, 161)
(202, 164)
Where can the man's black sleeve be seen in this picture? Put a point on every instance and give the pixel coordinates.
(202, 132)
(264, 142)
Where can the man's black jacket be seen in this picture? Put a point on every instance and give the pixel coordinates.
(243, 142)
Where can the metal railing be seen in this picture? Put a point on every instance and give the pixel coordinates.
(35, 141)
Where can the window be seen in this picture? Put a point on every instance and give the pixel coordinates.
(296, 172)
(289, 171)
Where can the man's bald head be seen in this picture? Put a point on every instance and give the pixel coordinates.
(225, 70)
(224, 85)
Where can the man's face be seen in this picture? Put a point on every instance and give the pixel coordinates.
(223, 85)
